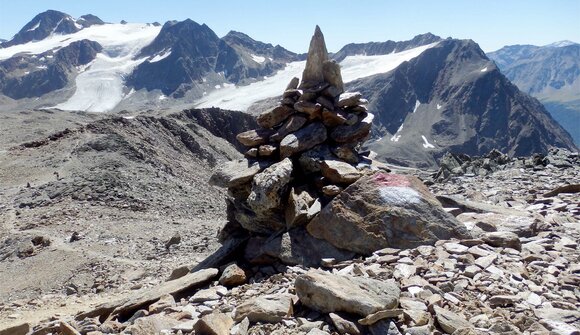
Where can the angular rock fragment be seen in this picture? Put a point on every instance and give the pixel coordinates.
(303, 139)
(327, 293)
(267, 308)
(255, 137)
(274, 116)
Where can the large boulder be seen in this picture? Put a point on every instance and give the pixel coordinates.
(385, 210)
(326, 293)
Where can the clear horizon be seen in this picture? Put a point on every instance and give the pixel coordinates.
(492, 24)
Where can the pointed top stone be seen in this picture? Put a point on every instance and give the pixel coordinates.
(317, 54)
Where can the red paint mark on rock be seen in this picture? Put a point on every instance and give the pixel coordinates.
(389, 179)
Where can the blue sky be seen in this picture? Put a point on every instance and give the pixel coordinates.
(491, 23)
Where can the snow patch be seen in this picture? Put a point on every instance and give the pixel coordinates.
(162, 97)
(162, 55)
(217, 87)
(100, 87)
(395, 138)
(35, 26)
(417, 104)
(484, 69)
(352, 68)
(42, 67)
(258, 59)
(439, 106)
(426, 143)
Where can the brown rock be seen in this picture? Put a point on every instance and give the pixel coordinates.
(21, 329)
(332, 75)
(274, 116)
(293, 84)
(266, 150)
(349, 99)
(255, 137)
(502, 239)
(380, 315)
(339, 172)
(332, 119)
(385, 210)
(344, 326)
(297, 208)
(293, 123)
(450, 321)
(214, 324)
(317, 54)
(310, 108)
(233, 275)
(237, 173)
(355, 133)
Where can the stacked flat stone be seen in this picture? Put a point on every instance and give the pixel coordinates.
(305, 152)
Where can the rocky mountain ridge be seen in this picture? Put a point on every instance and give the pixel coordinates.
(550, 73)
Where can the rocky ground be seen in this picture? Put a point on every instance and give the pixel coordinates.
(95, 206)
(520, 275)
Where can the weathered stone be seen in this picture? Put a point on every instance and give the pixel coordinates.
(310, 160)
(267, 308)
(385, 210)
(303, 139)
(269, 186)
(266, 150)
(346, 153)
(344, 326)
(380, 315)
(274, 116)
(251, 153)
(317, 54)
(21, 329)
(332, 75)
(152, 324)
(312, 109)
(327, 293)
(384, 327)
(293, 123)
(339, 172)
(326, 103)
(297, 208)
(296, 246)
(331, 190)
(255, 137)
(503, 300)
(293, 84)
(214, 324)
(522, 225)
(162, 304)
(449, 321)
(208, 294)
(332, 119)
(179, 272)
(237, 173)
(233, 275)
(349, 99)
(355, 133)
(502, 239)
(264, 221)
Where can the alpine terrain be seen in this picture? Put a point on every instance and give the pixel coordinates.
(550, 73)
(161, 179)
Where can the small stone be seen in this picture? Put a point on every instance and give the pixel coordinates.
(349, 99)
(331, 190)
(503, 239)
(233, 275)
(450, 321)
(255, 137)
(502, 300)
(266, 150)
(380, 315)
(214, 324)
(267, 308)
(344, 326)
(179, 272)
(339, 172)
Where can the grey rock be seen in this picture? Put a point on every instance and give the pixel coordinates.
(296, 246)
(317, 54)
(502, 239)
(214, 324)
(274, 116)
(255, 137)
(297, 208)
(293, 123)
(269, 186)
(352, 134)
(327, 293)
(339, 172)
(332, 75)
(384, 210)
(303, 139)
(450, 321)
(344, 326)
(237, 173)
(267, 308)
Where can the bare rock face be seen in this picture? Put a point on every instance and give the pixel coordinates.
(317, 54)
(385, 210)
(327, 293)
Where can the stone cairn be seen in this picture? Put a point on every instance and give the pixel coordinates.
(305, 153)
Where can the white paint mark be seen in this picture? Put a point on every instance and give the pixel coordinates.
(399, 195)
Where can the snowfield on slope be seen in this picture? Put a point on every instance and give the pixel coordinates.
(100, 87)
(352, 67)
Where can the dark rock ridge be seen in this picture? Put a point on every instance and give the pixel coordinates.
(196, 52)
(305, 185)
(453, 98)
(550, 73)
(383, 48)
(25, 76)
(51, 22)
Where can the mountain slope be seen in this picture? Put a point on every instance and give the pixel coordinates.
(550, 73)
(453, 98)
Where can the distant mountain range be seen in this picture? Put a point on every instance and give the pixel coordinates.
(429, 95)
(550, 73)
